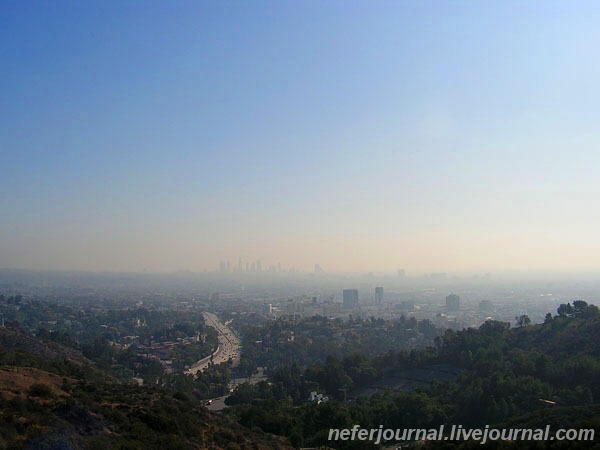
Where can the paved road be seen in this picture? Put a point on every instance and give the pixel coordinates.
(229, 346)
(218, 403)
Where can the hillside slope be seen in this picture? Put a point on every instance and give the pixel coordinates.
(51, 397)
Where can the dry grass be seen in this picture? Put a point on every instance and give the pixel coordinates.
(16, 381)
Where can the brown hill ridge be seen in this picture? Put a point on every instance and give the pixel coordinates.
(51, 397)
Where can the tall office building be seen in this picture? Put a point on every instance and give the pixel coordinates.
(350, 298)
(452, 302)
(379, 295)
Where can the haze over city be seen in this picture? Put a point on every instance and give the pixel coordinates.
(430, 136)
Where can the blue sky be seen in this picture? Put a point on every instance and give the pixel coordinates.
(360, 135)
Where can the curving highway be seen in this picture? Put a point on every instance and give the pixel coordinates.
(228, 348)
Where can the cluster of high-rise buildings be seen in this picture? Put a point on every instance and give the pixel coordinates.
(243, 266)
(248, 267)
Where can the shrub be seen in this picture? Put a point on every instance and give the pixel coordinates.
(40, 390)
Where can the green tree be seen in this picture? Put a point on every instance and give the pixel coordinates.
(523, 320)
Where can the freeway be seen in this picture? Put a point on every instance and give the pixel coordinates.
(228, 348)
(218, 403)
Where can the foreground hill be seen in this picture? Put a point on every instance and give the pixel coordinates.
(51, 397)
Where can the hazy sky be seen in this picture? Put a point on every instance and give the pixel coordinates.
(360, 135)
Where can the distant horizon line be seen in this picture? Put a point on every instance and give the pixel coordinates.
(408, 273)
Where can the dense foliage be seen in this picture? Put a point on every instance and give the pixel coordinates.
(288, 341)
(509, 376)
